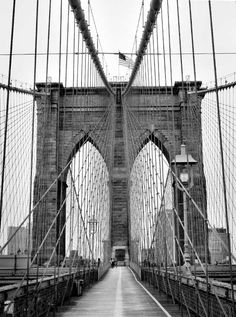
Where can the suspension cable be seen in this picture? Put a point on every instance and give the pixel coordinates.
(80, 18)
(151, 20)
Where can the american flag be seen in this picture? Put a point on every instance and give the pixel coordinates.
(125, 61)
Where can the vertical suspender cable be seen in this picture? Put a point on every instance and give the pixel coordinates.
(7, 111)
(180, 43)
(192, 43)
(202, 191)
(58, 116)
(222, 155)
(151, 20)
(80, 18)
(170, 50)
(57, 140)
(48, 40)
(163, 48)
(60, 226)
(32, 145)
(177, 234)
(162, 182)
(67, 44)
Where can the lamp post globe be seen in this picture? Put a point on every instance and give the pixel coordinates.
(93, 224)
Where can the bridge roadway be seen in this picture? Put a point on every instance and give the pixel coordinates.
(118, 294)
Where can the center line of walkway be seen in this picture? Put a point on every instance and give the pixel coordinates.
(118, 304)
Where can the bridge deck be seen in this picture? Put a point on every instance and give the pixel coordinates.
(119, 295)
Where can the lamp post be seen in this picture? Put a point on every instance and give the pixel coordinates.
(93, 224)
(184, 171)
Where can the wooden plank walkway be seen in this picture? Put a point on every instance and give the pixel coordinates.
(118, 294)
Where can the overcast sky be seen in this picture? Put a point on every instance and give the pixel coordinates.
(116, 23)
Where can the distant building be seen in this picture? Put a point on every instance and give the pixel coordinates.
(217, 242)
(19, 243)
(165, 238)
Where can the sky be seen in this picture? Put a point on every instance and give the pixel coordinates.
(116, 23)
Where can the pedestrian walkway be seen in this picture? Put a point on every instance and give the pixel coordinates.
(118, 294)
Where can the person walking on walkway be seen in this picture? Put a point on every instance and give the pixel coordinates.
(112, 261)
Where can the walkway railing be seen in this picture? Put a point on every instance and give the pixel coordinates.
(192, 293)
(40, 296)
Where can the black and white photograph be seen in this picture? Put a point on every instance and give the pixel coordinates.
(117, 158)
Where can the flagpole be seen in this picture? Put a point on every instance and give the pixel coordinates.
(118, 68)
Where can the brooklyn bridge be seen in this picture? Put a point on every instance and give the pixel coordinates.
(117, 179)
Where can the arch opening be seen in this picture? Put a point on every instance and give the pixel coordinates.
(87, 214)
(151, 208)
